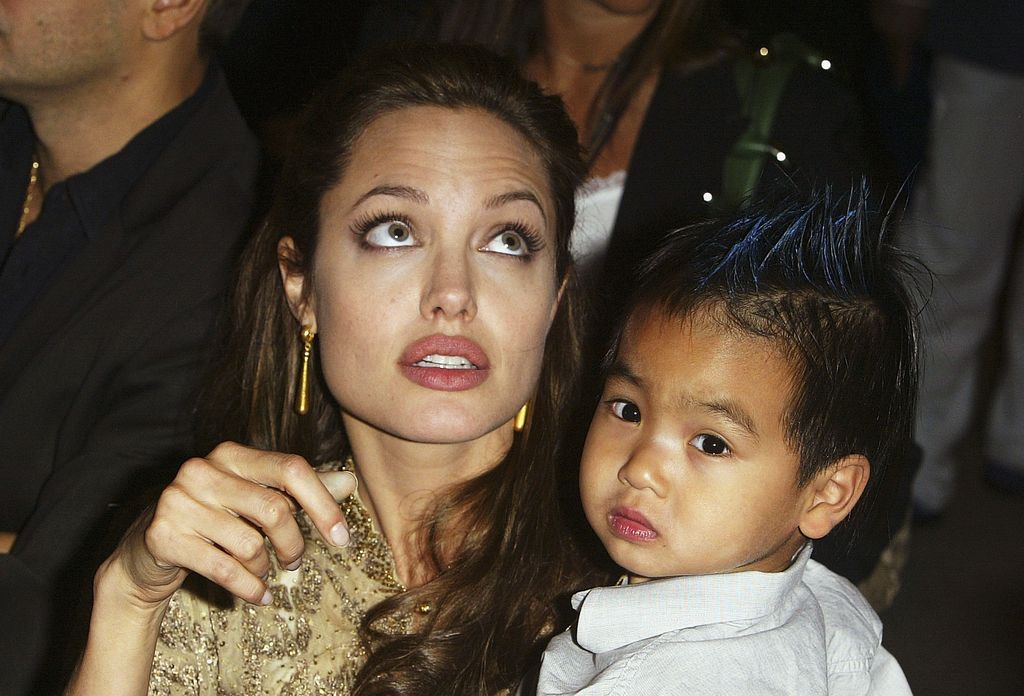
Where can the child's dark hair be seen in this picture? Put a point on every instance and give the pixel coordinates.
(820, 278)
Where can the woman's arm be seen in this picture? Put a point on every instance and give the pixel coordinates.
(212, 519)
(122, 637)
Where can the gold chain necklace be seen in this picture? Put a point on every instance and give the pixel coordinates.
(33, 180)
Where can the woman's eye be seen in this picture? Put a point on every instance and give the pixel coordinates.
(710, 444)
(508, 242)
(626, 410)
(392, 233)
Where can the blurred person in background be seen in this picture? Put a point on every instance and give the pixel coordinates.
(657, 90)
(125, 186)
(965, 224)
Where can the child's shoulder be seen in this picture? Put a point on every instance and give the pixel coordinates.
(852, 628)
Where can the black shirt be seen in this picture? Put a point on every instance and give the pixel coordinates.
(74, 211)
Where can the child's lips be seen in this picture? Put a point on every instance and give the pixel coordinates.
(631, 525)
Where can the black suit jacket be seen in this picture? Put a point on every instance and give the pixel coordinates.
(99, 377)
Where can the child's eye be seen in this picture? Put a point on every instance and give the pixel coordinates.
(625, 410)
(390, 233)
(710, 444)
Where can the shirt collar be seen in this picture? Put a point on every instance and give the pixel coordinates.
(612, 617)
(96, 193)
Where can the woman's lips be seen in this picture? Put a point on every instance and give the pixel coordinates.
(629, 524)
(445, 363)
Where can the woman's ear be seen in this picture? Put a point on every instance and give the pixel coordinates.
(294, 282)
(833, 493)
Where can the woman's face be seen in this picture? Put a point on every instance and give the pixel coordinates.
(434, 282)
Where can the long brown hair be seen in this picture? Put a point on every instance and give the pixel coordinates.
(681, 34)
(494, 597)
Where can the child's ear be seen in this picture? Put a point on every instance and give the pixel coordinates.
(832, 495)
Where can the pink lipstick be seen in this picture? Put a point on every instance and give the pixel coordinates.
(445, 363)
(629, 524)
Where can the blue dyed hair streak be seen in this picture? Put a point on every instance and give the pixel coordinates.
(820, 277)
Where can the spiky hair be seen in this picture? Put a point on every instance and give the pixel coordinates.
(819, 277)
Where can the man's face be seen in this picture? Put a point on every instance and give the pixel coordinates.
(49, 46)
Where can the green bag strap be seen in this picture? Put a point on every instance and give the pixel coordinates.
(760, 82)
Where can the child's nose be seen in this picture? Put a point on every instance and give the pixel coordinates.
(644, 469)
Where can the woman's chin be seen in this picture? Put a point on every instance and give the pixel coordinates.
(437, 426)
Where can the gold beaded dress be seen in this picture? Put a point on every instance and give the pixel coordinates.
(304, 643)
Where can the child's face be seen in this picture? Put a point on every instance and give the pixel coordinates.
(686, 469)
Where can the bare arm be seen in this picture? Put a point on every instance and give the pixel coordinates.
(122, 637)
(212, 520)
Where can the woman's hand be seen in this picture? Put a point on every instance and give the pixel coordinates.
(212, 519)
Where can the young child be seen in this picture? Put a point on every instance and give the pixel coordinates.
(764, 372)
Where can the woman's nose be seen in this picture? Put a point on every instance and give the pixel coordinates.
(449, 293)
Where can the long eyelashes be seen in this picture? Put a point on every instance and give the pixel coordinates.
(531, 237)
(532, 240)
(364, 223)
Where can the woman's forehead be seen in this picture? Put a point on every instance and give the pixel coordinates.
(437, 156)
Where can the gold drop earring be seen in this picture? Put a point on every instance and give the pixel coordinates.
(520, 421)
(302, 396)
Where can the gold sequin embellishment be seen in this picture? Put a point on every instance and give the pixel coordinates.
(305, 643)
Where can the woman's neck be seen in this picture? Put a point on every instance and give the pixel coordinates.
(399, 481)
(582, 41)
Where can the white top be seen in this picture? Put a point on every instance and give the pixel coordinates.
(597, 204)
(802, 631)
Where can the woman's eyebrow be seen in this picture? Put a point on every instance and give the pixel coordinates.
(512, 196)
(407, 192)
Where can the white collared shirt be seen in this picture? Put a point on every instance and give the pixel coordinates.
(802, 631)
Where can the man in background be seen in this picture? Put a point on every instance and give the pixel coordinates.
(126, 179)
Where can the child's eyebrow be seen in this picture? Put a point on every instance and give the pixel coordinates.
(619, 370)
(729, 410)
(726, 408)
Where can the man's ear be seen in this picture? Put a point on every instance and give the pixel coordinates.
(288, 263)
(832, 494)
(164, 18)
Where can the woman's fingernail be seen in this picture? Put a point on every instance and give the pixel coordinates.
(294, 565)
(267, 598)
(340, 483)
(339, 534)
